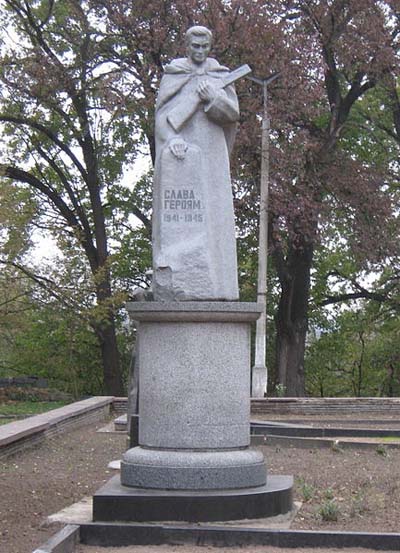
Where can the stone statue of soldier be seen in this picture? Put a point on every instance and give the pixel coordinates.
(194, 247)
(194, 404)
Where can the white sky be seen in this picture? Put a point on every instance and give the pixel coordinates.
(45, 247)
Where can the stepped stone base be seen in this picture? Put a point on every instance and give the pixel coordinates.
(193, 462)
(116, 502)
(193, 470)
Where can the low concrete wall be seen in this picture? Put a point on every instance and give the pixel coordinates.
(326, 406)
(120, 405)
(31, 431)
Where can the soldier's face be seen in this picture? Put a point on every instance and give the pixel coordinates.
(198, 48)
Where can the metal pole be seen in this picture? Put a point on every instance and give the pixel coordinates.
(260, 371)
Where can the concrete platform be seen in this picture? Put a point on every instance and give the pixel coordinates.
(81, 513)
(116, 502)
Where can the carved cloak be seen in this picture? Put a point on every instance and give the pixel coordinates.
(194, 246)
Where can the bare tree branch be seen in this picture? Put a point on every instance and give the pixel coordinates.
(50, 134)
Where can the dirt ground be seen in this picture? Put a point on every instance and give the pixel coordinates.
(360, 488)
(40, 482)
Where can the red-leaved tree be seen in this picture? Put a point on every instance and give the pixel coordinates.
(331, 55)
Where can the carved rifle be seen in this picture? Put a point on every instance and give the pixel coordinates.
(180, 114)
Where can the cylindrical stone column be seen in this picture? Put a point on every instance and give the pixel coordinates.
(194, 401)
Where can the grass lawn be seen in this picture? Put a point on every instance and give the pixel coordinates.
(27, 408)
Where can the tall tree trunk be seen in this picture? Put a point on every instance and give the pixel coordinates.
(292, 319)
(105, 330)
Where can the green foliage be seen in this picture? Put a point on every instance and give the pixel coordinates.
(44, 333)
(29, 393)
(359, 505)
(307, 491)
(365, 140)
(329, 494)
(17, 210)
(382, 450)
(28, 408)
(329, 511)
(355, 355)
(280, 390)
(57, 346)
(131, 243)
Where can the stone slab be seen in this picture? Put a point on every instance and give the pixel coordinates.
(193, 470)
(114, 534)
(63, 542)
(109, 428)
(210, 311)
(81, 513)
(309, 443)
(114, 465)
(116, 502)
(121, 423)
(321, 432)
(74, 514)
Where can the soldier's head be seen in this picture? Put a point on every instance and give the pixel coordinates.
(198, 43)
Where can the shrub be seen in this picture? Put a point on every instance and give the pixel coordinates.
(382, 450)
(329, 493)
(307, 491)
(329, 510)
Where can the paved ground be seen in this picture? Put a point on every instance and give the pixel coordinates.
(205, 549)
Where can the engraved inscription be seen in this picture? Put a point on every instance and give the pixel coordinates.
(183, 200)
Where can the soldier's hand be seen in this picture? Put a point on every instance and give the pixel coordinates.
(178, 147)
(206, 91)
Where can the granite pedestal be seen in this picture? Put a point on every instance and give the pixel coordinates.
(194, 420)
(194, 399)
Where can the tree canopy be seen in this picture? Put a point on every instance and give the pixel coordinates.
(78, 86)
